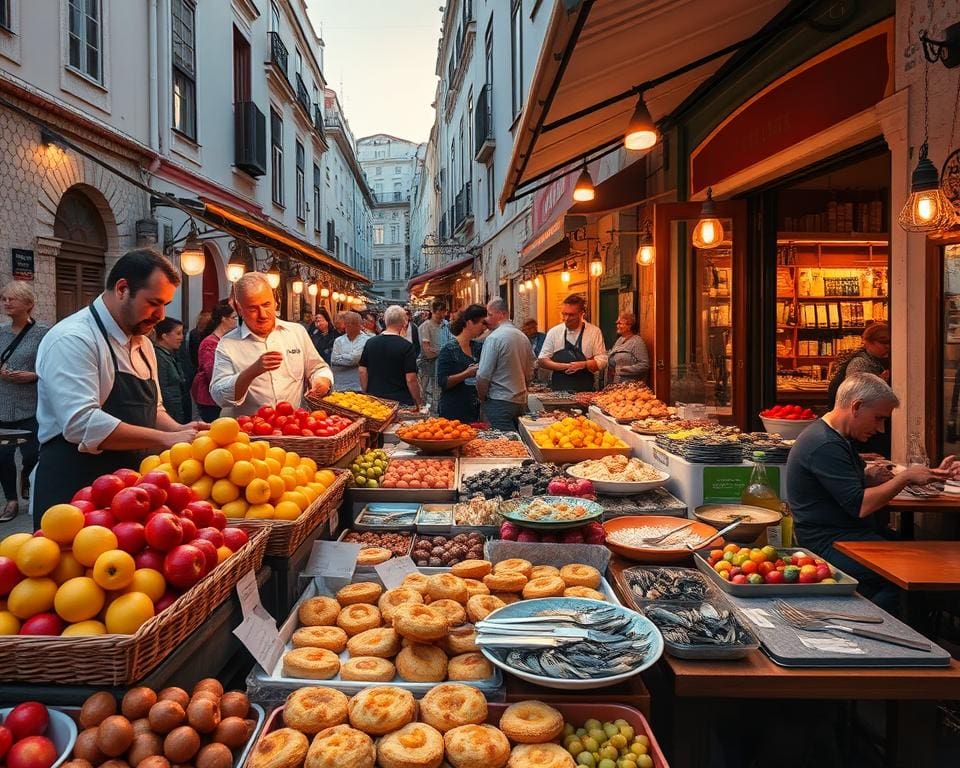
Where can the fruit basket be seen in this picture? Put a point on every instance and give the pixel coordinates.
(371, 424)
(423, 435)
(124, 659)
(323, 450)
(61, 730)
(568, 455)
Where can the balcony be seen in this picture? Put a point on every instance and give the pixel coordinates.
(391, 197)
(483, 125)
(318, 120)
(463, 210)
(303, 95)
(250, 138)
(278, 53)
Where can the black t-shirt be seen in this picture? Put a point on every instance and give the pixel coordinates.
(388, 358)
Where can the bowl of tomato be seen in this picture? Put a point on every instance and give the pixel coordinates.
(788, 421)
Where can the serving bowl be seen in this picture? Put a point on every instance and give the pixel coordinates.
(62, 731)
(755, 519)
(788, 429)
(670, 554)
(436, 446)
(514, 511)
(615, 488)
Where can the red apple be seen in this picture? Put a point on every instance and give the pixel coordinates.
(102, 517)
(149, 558)
(184, 566)
(84, 494)
(235, 538)
(129, 476)
(189, 530)
(201, 512)
(42, 624)
(159, 479)
(6, 740)
(166, 599)
(10, 575)
(164, 531)
(178, 496)
(157, 494)
(131, 504)
(104, 488)
(130, 536)
(27, 719)
(32, 752)
(219, 520)
(211, 534)
(209, 551)
(83, 505)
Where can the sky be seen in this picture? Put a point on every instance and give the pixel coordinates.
(380, 57)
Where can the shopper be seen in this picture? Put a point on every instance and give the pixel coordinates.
(268, 360)
(197, 335)
(388, 363)
(322, 333)
(338, 323)
(574, 350)
(18, 391)
(457, 367)
(628, 359)
(346, 351)
(223, 319)
(411, 333)
(306, 319)
(173, 383)
(369, 322)
(434, 336)
(506, 368)
(536, 337)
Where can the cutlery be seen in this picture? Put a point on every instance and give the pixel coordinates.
(586, 619)
(529, 641)
(662, 537)
(817, 625)
(810, 613)
(701, 544)
(545, 630)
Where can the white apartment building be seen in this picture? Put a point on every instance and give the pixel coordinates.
(424, 206)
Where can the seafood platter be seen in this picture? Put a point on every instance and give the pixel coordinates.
(551, 512)
(619, 475)
(657, 538)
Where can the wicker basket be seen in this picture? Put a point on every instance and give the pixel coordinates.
(121, 660)
(372, 425)
(323, 450)
(286, 536)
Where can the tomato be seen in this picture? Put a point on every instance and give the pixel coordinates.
(284, 408)
(773, 577)
(291, 429)
(262, 428)
(302, 413)
(310, 422)
(265, 412)
(764, 568)
(804, 560)
(749, 567)
(306, 433)
(277, 433)
(739, 579)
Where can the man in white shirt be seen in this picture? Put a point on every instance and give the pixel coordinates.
(574, 350)
(98, 397)
(434, 334)
(267, 360)
(345, 356)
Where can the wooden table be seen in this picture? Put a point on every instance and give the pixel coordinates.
(932, 566)
(945, 504)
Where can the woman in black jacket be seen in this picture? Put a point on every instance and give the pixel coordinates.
(323, 333)
(173, 382)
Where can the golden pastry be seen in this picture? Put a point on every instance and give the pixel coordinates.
(461, 639)
(318, 612)
(382, 709)
(341, 746)
(579, 575)
(446, 586)
(517, 564)
(540, 571)
(369, 669)
(452, 610)
(507, 597)
(373, 556)
(416, 745)
(358, 618)
(545, 586)
(420, 622)
(383, 642)
(531, 722)
(416, 581)
(312, 709)
(393, 598)
(540, 756)
(475, 587)
(505, 581)
(283, 748)
(420, 663)
(332, 638)
(361, 592)
(481, 606)
(590, 594)
(451, 705)
(476, 746)
(311, 663)
(471, 569)
(469, 666)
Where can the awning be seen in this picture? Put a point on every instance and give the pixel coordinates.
(219, 214)
(598, 50)
(435, 274)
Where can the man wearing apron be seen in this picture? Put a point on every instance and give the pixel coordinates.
(574, 350)
(99, 406)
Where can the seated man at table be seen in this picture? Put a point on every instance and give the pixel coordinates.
(834, 496)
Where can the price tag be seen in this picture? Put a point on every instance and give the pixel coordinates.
(334, 521)
(258, 630)
(333, 559)
(249, 593)
(395, 570)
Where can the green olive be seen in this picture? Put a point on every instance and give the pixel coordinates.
(609, 753)
(618, 740)
(599, 734)
(627, 732)
(590, 744)
(638, 749)
(575, 747)
(610, 729)
(645, 761)
(586, 758)
(592, 723)
(627, 764)
(567, 729)
(606, 763)
(643, 740)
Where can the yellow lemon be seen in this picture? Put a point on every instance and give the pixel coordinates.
(286, 510)
(240, 451)
(258, 491)
(259, 449)
(277, 454)
(68, 568)
(235, 509)
(148, 581)
(224, 430)
(61, 523)
(242, 473)
(274, 465)
(92, 542)
(277, 487)
(297, 498)
(128, 612)
(38, 557)
(203, 487)
(201, 446)
(260, 512)
(79, 599)
(223, 491)
(85, 628)
(149, 464)
(9, 624)
(31, 596)
(190, 471)
(218, 463)
(292, 459)
(261, 467)
(180, 452)
(165, 456)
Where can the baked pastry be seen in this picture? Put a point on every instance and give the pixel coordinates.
(590, 594)
(476, 746)
(415, 581)
(471, 569)
(451, 705)
(507, 597)
(373, 556)
(381, 709)
(517, 564)
(283, 748)
(358, 618)
(475, 587)
(416, 745)
(318, 612)
(420, 663)
(369, 669)
(360, 592)
(462, 639)
(312, 709)
(531, 722)
(340, 746)
(540, 756)
(544, 570)
(481, 606)
(383, 642)
(420, 622)
(332, 638)
(393, 598)
(446, 586)
(311, 663)
(580, 575)
(452, 610)
(545, 586)
(469, 666)
(505, 581)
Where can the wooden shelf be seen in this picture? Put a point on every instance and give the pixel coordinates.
(842, 298)
(830, 238)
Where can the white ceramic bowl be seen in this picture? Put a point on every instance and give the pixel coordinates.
(614, 488)
(62, 731)
(788, 429)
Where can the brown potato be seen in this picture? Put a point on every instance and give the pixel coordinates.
(155, 761)
(145, 745)
(86, 747)
(141, 726)
(165, 716)
(174, 694)
(233, 731)
(209, 684)
(77, 763)
(116, 764)
(234, 704)
(214, 756)
(97, 708)
(181, 744)
(114, 735)
(203, 715)
(137, 702)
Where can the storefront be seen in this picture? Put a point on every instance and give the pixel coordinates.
(454, 282)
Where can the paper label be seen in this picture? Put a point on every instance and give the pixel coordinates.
(831, 645)
(333, 559)
(334, 521)
(248, 592)
(757, 616)
(660, 456)
(774, 539)
(258, 630)
(395, 570)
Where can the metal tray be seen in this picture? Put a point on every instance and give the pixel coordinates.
(846, 584)
(369, 568)
(417, 495)
(366, 521)
(433, 512)
(469, 467)
(704, 652)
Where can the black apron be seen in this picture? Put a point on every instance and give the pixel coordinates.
(581, 381)
(63, 469)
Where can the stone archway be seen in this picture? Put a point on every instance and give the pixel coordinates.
(81, 260)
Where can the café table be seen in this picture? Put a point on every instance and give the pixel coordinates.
(945, 503)
(929, 566)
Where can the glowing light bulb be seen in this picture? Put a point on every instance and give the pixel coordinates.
(645, 255)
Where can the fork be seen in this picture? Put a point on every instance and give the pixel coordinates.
(810, 613)
(667, 535)
(598, 616)
(546, 630)
(796, 619)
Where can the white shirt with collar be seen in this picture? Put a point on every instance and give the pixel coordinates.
(346, 353)
(593, 345)
(302, 366)
(76, 376)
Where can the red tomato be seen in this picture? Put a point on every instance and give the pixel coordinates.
(306, 433)
(773, 577)
(284, 408)
(291, 429)
(310, 423)
(765, 567)
(280, 421)
(302, 413)
(265, 412)
(262, 428)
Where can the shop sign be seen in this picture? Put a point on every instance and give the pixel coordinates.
(23, 267)
(724, 485)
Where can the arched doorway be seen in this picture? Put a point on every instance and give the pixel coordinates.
(211, 277)
(80, 263)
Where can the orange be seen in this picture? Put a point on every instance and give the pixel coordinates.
(242, 473)
(240, 451)
(243, 437)
(78, 599)
(203, 487)
(260, 512)
(31, 596)
(168, 470)
(114, 569)
(92, 542)
(38, 557)
(9, 624)
(61, 523)
(223, 553)
(189, 471)
(274, 465)
(306, 461)
(287, 510)
(325, 476)
(277, 487)
(84, 628)
(218, 463)
(261, 468)
(277, 454)
(224, 430)
(258, 448)
(297, 498)
(289, 477)
(235, 509)
(201, 446)
(224, 491)
(311, 493)
(292, 459)
(68, 568)
(179, 453)
(258, 491)
(165, 456)
(303, 474)
(13, 542)
(148, 581)
(128, 612)
(149, 464)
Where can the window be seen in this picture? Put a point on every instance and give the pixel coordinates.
(395, 293)
(84, 37)
(488, 45)
(331, 234)
(241, 67)
(5, 14)
(398, 170)
(183, 22)
(336, 246)
(378, 170)
(301, 189)
(516, 56)
(378, 234)
(395, 269)
(378, 269)
(276, 156)
(491, 192)
(274, 18)
(298, 61)
(316, 197)
(394, 233)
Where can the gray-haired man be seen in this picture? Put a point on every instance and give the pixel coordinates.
(506, 367)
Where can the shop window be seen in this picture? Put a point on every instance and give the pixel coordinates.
(276, 157)
(301, 184)
(183, 22)
(951, 349)
(84, 38)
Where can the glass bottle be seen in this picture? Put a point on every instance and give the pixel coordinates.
(759, 491)
(916, 452)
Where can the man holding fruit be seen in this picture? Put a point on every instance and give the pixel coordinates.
(267, 360)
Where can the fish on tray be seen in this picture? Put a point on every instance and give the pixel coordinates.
(703, 624)
(665, 584)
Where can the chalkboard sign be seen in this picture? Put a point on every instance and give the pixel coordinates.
(22, 264)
